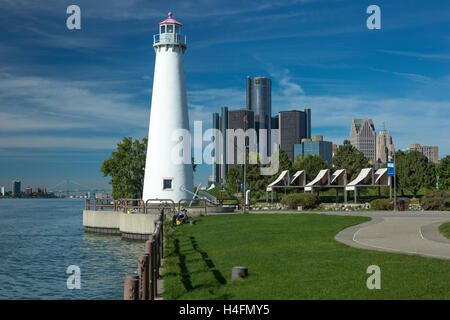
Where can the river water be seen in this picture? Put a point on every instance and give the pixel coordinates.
(41, 238)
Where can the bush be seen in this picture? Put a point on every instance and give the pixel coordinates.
(382, 204)
(406, 200)
(436, 200)
(306, 200)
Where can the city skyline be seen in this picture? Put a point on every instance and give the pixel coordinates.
(68, 97)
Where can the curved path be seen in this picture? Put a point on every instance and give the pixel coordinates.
(401, 233)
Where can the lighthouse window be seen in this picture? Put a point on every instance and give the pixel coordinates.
(167, 184)
(177, 29)
(163, 29)
(170, 28)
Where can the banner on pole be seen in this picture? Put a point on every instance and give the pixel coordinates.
(391, 168)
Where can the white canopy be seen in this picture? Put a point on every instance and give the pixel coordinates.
(337, 175)
(323, 177)
(382, 177)
(363, 175)
(284, 174)
(300, 174)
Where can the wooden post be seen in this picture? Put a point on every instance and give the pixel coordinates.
(143, 270)
(155, 269)
(131, 288)
(157, 257)
(237, 273)
(161, 241)
(148, 249)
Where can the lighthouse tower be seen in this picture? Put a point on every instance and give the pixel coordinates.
(164, 177)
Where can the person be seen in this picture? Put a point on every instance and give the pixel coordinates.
(134, 196)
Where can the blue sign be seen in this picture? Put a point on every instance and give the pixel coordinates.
(390, 169)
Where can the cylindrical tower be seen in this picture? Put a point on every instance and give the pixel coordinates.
(164, 177)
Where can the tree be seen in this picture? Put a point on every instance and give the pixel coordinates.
(284, 163)
(233, 180)
(414, 171)
(401, 168)
(312, 164)
(126, 167)
(443, 171)
(254, 180)
(350, 158)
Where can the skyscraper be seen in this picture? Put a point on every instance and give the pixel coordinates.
(294, 125)
(16, 190)
(259, 100)
(316, 146)
(431, 152)
(233, 120)
(363, 137)
(385, 147)
(239, 119)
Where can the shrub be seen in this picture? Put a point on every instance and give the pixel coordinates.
(306, 200)
(436, 200)
(406, 200)
(382, 204)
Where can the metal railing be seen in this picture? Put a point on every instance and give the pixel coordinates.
(101, 204)
(196, 199)
(238, 202)
(169, 38)
(124, 205)
(144, 285)
(163, 203)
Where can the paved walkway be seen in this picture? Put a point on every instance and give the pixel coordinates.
(404, 233)
(411, 232)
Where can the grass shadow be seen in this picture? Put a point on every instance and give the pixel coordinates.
(185, 277)
(211, 266)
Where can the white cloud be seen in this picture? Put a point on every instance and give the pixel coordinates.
(51, 141)
(36, 103)
(439, 56)
(412, 76)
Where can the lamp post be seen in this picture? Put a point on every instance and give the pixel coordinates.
(244, 187)
(395, 184)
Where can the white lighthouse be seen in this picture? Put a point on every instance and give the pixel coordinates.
(164, 177)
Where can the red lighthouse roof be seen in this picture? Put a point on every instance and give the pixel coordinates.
(170, 20)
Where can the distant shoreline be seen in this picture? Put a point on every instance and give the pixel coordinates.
(37, 197)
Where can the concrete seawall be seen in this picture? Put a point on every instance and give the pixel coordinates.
(132, 226)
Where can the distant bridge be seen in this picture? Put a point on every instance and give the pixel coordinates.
(70, 187)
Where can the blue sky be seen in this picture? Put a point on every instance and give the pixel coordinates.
(67, 97)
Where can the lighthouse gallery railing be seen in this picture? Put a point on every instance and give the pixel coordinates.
(169, 38)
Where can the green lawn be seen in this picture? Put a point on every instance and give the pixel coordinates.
(445, 229)
(289, 257)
